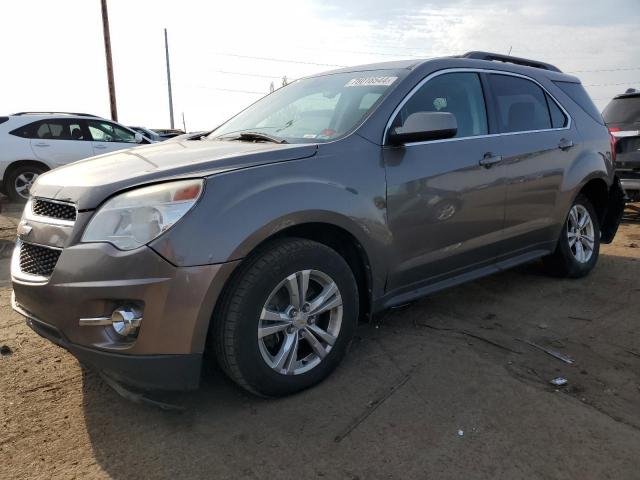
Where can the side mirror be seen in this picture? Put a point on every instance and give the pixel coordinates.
(424, 126)
(139, 138)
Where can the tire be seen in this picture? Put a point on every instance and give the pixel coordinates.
(566, 261)
(23, 175)
(258, 364)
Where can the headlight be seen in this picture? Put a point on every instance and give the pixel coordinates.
(134, 218)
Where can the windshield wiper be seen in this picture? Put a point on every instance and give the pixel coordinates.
(249, 136)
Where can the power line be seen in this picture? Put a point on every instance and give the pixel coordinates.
(226, 89)
(247, 74)
(609, 84)
(623, 69)
(281, 60)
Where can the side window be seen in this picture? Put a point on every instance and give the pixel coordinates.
(26, 131)
(51, 130)
(108, 132)
(558, 118)
(457, 93)
(521, 104)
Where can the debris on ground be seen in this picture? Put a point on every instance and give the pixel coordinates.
(460, 433)
(553, 353)
(5, 351)
(633, 245)
(559, 381)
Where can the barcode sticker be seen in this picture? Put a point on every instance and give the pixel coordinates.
(371, 82)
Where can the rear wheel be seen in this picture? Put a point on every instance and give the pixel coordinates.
(579, 245)
(287, 318)
(20, 180)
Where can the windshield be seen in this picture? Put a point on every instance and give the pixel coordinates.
(316, 109)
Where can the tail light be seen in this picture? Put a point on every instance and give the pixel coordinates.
(614, 142)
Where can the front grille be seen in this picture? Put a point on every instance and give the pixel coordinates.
(46, 208)
(37, 260)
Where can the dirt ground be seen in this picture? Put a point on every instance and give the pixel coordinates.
(451, 387)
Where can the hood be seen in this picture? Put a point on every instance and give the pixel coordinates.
(88, 182)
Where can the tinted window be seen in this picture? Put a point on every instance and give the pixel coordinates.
(521, 104)
(578, 94)
(558, 118)
(623, 110)
(102, 131)
(456, 93)
(3, 119)
(52, 130)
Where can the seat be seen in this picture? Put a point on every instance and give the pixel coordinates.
(76, 134)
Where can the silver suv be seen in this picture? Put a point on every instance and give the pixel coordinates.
(331, 199)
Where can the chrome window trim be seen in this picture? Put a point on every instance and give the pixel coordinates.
(489, 135)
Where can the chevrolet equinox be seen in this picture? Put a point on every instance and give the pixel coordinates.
(333, 198)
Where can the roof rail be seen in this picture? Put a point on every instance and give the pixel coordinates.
(56, 113)
(509, 59)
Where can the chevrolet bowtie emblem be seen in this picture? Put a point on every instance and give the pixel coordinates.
(24, 229)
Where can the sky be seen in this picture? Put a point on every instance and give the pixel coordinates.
(225, 54)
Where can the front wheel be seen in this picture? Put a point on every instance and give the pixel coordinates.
(579, 244)
(287, 318)
(20, 180)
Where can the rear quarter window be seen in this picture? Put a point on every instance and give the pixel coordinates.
(623, 110)
(577, 93)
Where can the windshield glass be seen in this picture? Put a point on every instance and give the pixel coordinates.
(317, 109)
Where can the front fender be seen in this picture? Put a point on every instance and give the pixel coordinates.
(241, 209)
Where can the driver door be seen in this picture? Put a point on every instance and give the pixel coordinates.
(445, 198)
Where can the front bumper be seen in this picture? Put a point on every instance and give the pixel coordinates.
(145, 372)
(91, 280)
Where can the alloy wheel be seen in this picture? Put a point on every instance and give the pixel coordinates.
(580, 233)
(300, 322)
(24, 182)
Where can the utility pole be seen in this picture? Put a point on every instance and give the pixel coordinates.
(107, 52)
(166, 49)
(184, 125)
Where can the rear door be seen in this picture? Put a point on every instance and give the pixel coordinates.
(445, 198)
(59, 141)
(109, 137)
(538, 145)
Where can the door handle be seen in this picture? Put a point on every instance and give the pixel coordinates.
(101, 147)
(40, 144)
(565, 144)
(490, 160)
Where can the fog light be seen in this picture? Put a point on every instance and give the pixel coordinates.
(126, 321)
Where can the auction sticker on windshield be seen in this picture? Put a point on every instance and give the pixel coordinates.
(371, 81)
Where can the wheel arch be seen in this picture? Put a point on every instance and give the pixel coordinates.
(335, 236)
(597, 191)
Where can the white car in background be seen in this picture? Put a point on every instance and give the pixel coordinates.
(33, 142)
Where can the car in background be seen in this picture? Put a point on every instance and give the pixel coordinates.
(167, 133)
(34, 142)
(190, 136)
(150, 134)
(622, 116)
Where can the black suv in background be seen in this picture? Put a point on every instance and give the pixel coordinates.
(622, 116)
